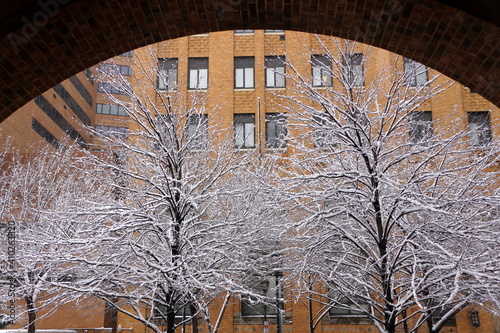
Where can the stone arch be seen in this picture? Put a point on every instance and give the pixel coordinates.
(44, 42)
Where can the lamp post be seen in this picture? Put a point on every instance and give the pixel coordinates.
(265, 287)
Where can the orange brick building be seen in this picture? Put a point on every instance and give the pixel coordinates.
(233, 67)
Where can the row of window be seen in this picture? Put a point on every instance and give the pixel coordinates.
(244, 72)
(268, 31)
(244, 130)
(106, 87)
(113, 68)
(114, 110)
(421, 130)
(111, 131)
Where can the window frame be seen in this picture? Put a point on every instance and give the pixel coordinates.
(247, 67)
(272, 64)
(197, 131)
(279, 121)
(354, 71)
(418, 126)
(274, 32)
(411, 68)
(168, 72)
(196, 66)
(481, 135)
(110, 68)
(321, 135)
(120, 110)
(247, 139)
(322, 63)
(244, 32)
(108, 88)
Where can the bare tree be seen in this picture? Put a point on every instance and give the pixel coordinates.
(395, 215)
(183, 216)
(36, 189)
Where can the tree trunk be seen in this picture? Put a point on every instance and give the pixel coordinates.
(111, 315)
(31, 314)
(310, 313)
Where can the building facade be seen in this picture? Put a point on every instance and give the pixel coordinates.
(244, 72)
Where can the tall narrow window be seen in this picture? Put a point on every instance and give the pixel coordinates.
(276, 131)
(415, 72)
(421, 128)
(197, 131)
(321, 67)
(244, 72)
(353, 69)
(198, 73)
(275, 71)
(167, 74)
(323, 131)
(244, 130)
(479, 128)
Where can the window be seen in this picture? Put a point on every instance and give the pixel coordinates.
(112, 68)
(321, 71)
(198, 73)
(276, 131)
(353, 69)
(167, 74)
(90, 76)
(479, 128)
(166, 125)
(114, 110)
(243, 31)
(244, 130)
(106, 87)
(323, 131)
(250, 307)
(197, 131)
(112, 131)
(274, 31)
(415, 72)
(420, 126)
(346, 308)
(275, 71)
(243, 72)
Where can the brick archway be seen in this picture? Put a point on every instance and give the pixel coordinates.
(44, 42)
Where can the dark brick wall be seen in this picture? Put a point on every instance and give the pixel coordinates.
(43, 42)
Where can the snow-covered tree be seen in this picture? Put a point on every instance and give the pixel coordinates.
(37, 190)
(396, 212)
(184, 217)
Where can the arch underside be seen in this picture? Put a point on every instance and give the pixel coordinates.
(46, 41)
